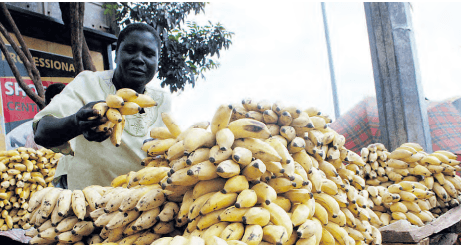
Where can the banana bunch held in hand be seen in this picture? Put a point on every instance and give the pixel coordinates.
(125, 101)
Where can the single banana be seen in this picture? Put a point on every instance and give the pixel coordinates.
(221, 118)
(218, 201)
(83, 228)
(242, 156)
(232, 214)
(214, 232)
(300, 214)
(254, 170)
(116, 135)
(228, 169)
(146, 220)
(224, 138)
(198, 137)
(144, 100)
(127, 94)
(151, 199)
(236, 184)
(270, 117)
(208, 220)
(206, 186)
(259, 149)
(68, 237)
(233, 231)
(130, 108)
(171, 124)
(114, 101)
(217, 155)
(253, 234)
(249, 128)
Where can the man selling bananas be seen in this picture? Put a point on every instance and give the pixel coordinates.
(71, 116)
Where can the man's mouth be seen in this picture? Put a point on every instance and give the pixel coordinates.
(136, 71)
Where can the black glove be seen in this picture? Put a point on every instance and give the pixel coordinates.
(87, 126)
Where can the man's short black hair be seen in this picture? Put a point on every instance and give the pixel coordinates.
(53, 90)
(137, 27)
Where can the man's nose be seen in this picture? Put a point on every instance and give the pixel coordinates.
(138, 57)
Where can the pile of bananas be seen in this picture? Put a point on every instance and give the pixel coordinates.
(24, 171)
(409, 183)
(257, 173)
(262, 173)
(99, 214)
(125, 101)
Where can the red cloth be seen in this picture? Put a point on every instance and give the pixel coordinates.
(360, 125)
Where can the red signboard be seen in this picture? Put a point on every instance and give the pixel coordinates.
(17, 106)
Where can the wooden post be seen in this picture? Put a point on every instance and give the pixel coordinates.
(399, 93)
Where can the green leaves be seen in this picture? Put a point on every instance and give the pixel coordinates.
(187, 48)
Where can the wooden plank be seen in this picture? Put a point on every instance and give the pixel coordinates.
(402, 231)
(399, 94)
(422, 242)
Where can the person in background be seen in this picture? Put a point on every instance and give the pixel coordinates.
(96, 161)
(50, 92)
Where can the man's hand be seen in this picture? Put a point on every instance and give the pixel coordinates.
(87, 126)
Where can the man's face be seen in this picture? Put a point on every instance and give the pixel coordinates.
(137, 60)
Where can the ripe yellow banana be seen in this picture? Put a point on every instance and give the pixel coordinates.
(144, 100)
(246, 199)
(236, 184)
(83, 228)
(242, 156)
(300, 213)
(228, 169)
(249, 128)
(256, 216)
(171, 124)
(127, 94)
(265, 193)
(101, 108)
(221, 118)
(114, 101)
(259, 148)
(129, 108)
(270, 117)
(224, 138)
(275, 234)
(78, 204)
(233, 214)
(213, 232)
(233, 231)
(206, 186)
(198, 137)
(218, 155)
(218, 201)
(151, 199)
(131, 200)
(253, 234)
(66, 224)
(254, 170)
(208, 220)
(68, 237)
(279, 216)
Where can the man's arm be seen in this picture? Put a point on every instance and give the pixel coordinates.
(52, 131)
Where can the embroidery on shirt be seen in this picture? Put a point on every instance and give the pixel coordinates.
(138, 124)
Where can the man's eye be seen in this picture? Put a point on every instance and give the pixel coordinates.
(150, 54)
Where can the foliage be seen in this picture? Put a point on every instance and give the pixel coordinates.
(187, 51)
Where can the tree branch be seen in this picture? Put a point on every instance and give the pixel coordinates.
(30, 65)
(75, 37)
(40, 101)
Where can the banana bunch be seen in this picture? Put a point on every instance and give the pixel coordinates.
(125, 101)
(411, 184)
(261, 173)
(24, 171)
